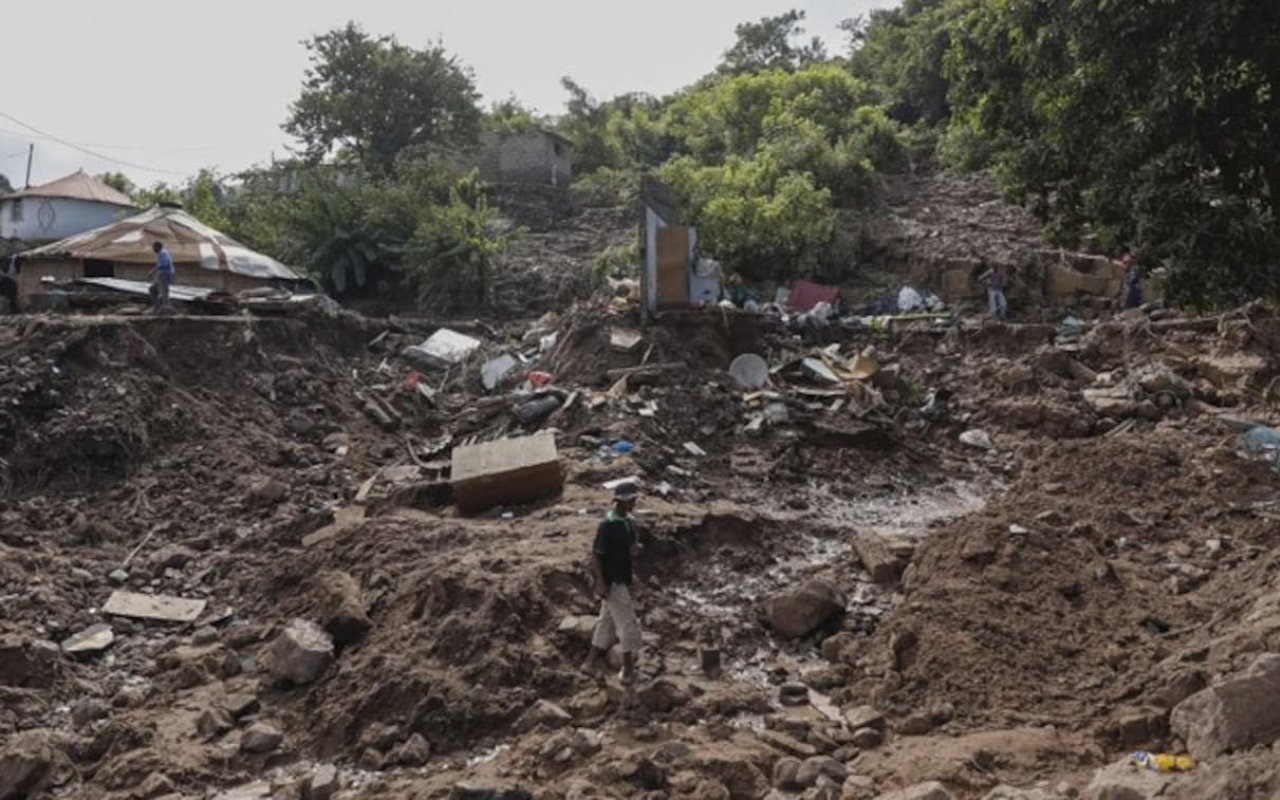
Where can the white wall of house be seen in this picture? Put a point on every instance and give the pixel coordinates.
(48, 219)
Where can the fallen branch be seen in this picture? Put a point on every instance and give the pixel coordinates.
(627, 372)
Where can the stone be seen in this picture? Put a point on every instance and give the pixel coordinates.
(26, 763)
(787, 744)
(171, 556)
(213, 722)
(663, 695)
(932, 790)
(797, 613)
(838, 649)
(241, 704)
(156, 784)
(867, 738)
(1121, 781)
(878, 559)
(1137, 727)
(28, 664)
(1004, 792)
(117, 576)
(820, 766)
(864, 717)
(1233, 715)
(93, 639)
(300, 654)
(321, 784)
(544, 713)
(268, 492)
(260, 738)
(342, 608)
(588, 742)
(414, 752)
(917, 724)
(793, 694)
(785, 771)
(87, 711)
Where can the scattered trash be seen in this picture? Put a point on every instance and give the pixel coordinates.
(624, 340)
(1162, 762)
(622, 446)
(977, 438)
(153, 606)
(776, 413)
(441, 350)
(693, 450)
(532, 411)
(804, 295)
(935, 404)
(494, 370)
(506, 472)
(616, 482)
(749, 371)
(1260, 440)
(820, 370)
(539, 378)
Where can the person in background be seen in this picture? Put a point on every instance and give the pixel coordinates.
(162, 276)
(615, 545)
(1132, 282)
(740, 295)
(992, 280)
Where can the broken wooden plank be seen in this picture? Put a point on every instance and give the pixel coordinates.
(627, 372)
(153, 606)
(878, 559)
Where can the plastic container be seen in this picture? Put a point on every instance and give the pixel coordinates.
(1162, 762)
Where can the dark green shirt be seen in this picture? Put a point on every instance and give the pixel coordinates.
(614, 539)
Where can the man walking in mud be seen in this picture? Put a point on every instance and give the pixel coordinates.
(611, 555)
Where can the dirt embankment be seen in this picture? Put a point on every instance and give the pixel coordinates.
(1020, 615)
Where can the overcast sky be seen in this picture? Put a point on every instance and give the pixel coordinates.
(170, 86)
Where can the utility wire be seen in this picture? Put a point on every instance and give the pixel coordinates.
(191, 149)
(87, 151)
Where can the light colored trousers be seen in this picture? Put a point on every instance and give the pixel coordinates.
(617, 621)
(997, 304)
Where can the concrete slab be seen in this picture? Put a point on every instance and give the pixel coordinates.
(506, 472)
(153, 606)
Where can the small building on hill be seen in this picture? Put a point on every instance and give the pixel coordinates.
(534, 156)
(202, 257)
(58, 209)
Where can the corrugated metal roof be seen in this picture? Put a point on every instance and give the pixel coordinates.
(190, 242)
(143, 289)
(76, 186)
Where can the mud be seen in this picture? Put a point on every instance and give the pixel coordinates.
(1059, 593)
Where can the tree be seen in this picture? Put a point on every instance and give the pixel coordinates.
(1153, 123)
(376, 97)
(768, 44)
(5, 186)
(120, 182)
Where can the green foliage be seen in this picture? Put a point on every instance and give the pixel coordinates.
(618, 261)
(902, 51)
(1153, 123)
(627, 132)
(755, 218)
(375, 97)
(770, 44)
(453, 248)
(510, 116)
(201, 196)
(119, 181)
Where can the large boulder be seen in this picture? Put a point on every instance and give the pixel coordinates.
(343, 607)
(1234, 715)
(300, 654)
(28, 663)
(26, 764)
(798, 612)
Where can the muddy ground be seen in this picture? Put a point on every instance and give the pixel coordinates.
(1005, 621)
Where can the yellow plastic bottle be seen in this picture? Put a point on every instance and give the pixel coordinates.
(1162, 762)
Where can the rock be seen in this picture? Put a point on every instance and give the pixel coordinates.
(557, 747)
(156, 784)
(880, 562)
(785, 771)
(793, 694)
(867, 738)
(204, 635)
(93, 639)
(917, 724)
(1121, 781)
(29, 664)
(321, 784)
(820, 766)
(1052, 517)
(260, 738)
(1003, 792)
(26, 763)
(414, 752)
(1234, 715)
(977, 439)
(864, 717)
(300, 654)
(544, 713)
(268, 492)
(1136, 727)
(796, 614)
(118, 576)
(839, 649)
(213, 722)
(587, 742)
(580, 627)
(86, 711)
(171, 556)
(342, 607)
(921, 791)
(663, 695)
(1064, 789)
(787, 744)
(240, 704)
